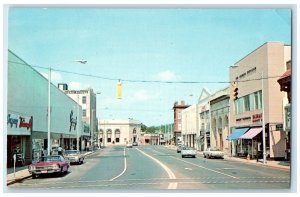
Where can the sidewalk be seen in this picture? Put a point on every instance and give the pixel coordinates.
(22, 173)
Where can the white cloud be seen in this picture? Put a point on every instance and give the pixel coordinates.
(55, 76)
(141, 95)
(75, 85)
(167, 75)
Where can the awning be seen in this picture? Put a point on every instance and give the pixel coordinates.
(237, 133)
(251, 133)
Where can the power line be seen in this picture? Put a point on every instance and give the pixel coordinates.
(146, 81)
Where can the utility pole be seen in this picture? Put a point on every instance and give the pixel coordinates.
(263, 118)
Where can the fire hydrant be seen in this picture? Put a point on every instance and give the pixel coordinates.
(248, 157)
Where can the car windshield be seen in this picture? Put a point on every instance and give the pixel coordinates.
(51, 158)
(72, 152)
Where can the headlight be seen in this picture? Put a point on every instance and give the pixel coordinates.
(31, 168)
(76, 157)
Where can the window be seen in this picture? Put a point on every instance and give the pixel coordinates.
(258, 100)
(84, 112)
(251, 102)
(117, 135)
(246, 103)
(109, 135)
(83, 99)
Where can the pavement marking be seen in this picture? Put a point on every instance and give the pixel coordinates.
(168, 170)
(125, 167)
(188, 169)
(206, 168)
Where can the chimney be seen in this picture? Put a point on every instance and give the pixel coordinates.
(63, 86)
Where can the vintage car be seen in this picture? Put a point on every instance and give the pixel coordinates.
(188, 152)
(179, 148)
(213, 153)
(49, 165)
(134, 144)
(74, 156)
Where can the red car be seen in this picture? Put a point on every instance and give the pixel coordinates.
(49, 165)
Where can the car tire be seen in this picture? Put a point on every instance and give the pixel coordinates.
(34, 176)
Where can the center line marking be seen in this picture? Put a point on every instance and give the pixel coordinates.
(125, 167)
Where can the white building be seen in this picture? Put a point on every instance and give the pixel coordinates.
(190, 125)
(204, 119)
(119, 132)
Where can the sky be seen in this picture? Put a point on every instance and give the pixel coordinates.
(144, 48)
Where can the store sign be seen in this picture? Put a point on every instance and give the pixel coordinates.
(256, 118)
(73, 121)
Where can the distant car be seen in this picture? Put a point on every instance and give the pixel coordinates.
(74, 156)
(213, 153)
(188, 152)
(134, 144)
(129, 145)
(179, 148)
(49, 165)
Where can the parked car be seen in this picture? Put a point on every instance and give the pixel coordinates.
(49, 165)
(188, 152)
(129, 145)
(213, 152)
(74, 156)
(179, 148)
(134, 144)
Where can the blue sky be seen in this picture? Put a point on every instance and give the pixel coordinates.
(142, 44)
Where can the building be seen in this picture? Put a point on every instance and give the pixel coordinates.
(219, 112)
(119, 132)
(259, 103)
(285, 85)
(177, 108)
(204, 119)
(87, 100)
(27, 113)
(190, 126)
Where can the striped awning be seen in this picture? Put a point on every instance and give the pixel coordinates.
(251, 133)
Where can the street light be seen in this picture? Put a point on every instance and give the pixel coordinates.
(49, 104)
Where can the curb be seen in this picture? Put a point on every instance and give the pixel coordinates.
(17, 180)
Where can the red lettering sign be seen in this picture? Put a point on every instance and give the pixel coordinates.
(25, 122)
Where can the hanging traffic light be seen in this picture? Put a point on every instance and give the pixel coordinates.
(235, 92)
(119, 90)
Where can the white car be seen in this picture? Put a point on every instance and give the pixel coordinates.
(129, 145)
(213, 152)
(188, 152)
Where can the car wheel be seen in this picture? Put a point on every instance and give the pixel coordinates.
(34, 176)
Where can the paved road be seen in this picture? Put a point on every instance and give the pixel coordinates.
(156, 168)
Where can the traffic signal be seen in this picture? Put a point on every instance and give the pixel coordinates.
(235, 92)
(119, 90)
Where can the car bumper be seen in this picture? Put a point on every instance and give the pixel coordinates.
(48, 171)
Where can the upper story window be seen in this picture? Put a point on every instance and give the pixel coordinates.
(83, 99)
(84, 112)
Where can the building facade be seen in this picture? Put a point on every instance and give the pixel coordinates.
(27, 113)
(119, 132)
(87, 100)
(219, 112)
(259, 103)
(204, 119)
(177, 108)
(285, 85)
(190, 126)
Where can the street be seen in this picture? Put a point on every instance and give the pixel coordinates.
(150, 168)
